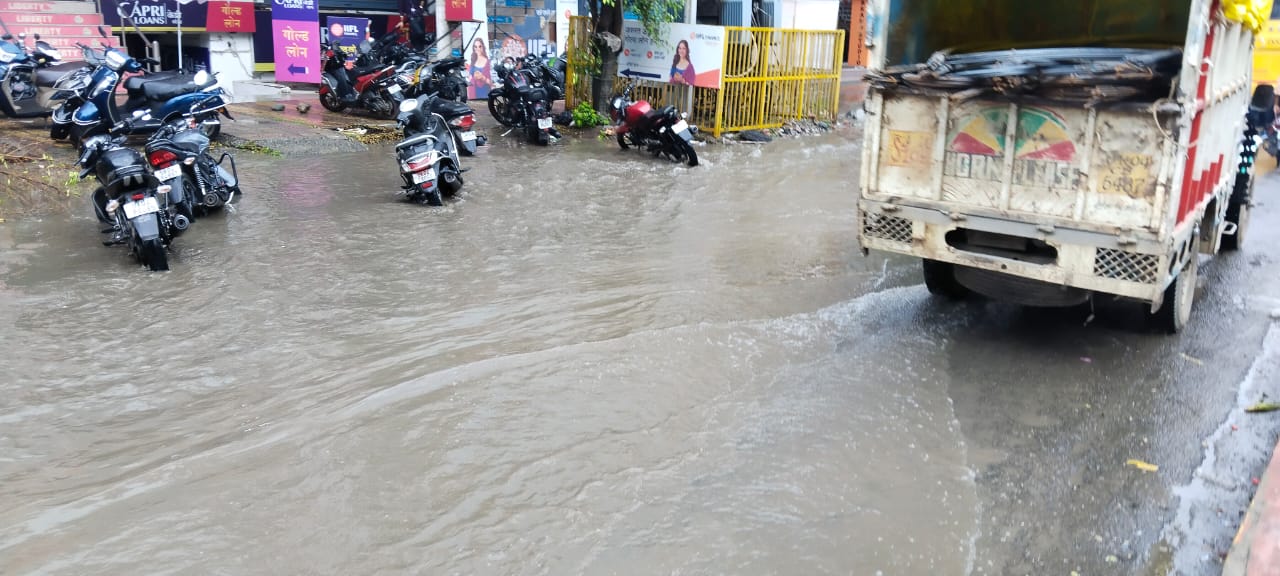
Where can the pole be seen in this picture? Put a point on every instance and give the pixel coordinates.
(179, 3)
(690, 17)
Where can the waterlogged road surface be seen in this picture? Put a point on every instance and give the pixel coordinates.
(592, 363)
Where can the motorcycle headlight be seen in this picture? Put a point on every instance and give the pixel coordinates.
(6, 57)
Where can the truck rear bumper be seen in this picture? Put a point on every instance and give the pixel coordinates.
(1133, 268)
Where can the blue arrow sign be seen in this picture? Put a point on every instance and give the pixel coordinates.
(500, 19)
(630, 72)
(298, 70)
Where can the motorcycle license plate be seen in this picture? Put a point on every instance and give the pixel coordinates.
(423, 176)
(680, 126)
(142, 207)
(544, 123)
(469, 135)
(393, 88)
(169, 173)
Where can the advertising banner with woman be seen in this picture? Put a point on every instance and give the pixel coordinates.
(689, 54)
(475, 52)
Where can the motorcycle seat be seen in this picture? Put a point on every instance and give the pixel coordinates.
(414, 141)
(359, 71)
(162, 90)
(450, 108)
(135, 83)
(446, 65)
(50, 75)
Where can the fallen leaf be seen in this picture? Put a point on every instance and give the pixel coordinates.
(1256, 481)
(1263, 407)
(1192, 359)
(1143, 466)
(1234, 427)
(1111, 559)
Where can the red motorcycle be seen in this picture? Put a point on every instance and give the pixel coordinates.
(662, 132)
(374, 87)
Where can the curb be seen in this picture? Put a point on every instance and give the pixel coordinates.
(1255, 551)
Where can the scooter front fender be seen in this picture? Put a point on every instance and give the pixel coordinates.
(87, 114)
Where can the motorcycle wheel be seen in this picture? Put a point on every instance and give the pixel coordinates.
(152, 253)
(683, 152)
(459, 90)
(498, 108)
(622, 141)
(331, 102)
(59, 131)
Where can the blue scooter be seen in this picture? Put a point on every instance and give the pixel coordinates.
(167, 95)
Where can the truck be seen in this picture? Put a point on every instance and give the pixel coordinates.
(1045, 153)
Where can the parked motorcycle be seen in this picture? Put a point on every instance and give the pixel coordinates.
(374, 87)
(446, 78)
(73, 93)
(428, 156)
(170, 93)
(1262, 119)
(131, 200)
(550, 72)
(662, 132)
(33, 81)
(179, 154)
(523, 102)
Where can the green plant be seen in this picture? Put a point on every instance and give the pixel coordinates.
(584, 116)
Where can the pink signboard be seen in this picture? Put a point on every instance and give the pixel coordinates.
(297, 50)
(295, 33)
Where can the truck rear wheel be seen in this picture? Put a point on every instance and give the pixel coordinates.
(1175, 310)
(940, 279)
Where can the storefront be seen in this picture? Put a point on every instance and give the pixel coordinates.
(216, 35)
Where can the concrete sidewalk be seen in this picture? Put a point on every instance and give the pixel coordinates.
(1256, 548)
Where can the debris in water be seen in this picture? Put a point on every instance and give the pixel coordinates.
(277, 107)
(1263, 407)
(1086, 359)
(1192, 359)
(1111, 559)
(1256, 481)
(1143, 466)
(303, 107)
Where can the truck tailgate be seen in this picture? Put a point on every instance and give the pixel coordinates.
(1088, 168)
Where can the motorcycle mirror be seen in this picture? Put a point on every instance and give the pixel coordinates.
(201, 78)
(36, 36)
(138, 113)
(409, 105)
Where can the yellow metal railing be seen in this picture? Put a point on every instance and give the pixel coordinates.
(770, 76)
(773, 75)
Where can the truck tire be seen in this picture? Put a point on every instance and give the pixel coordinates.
(940, 279)
(1238, 214)
(1179, 297)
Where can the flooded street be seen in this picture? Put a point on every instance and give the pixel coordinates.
(593, 362)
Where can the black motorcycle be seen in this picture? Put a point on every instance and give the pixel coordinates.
(179, 154)
(131, 200)
(428, 157)
(523, 102)
(550, 73)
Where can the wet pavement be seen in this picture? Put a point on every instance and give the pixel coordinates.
(594, 362)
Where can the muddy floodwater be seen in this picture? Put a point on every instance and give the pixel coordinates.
(592, 362)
